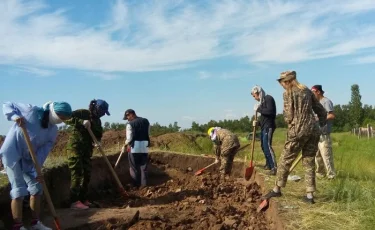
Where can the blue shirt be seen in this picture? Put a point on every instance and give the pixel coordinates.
(15, 148)
(328, 105)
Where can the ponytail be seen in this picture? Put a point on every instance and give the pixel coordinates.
(92, 107)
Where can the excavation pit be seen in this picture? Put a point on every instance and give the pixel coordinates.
(174, 199)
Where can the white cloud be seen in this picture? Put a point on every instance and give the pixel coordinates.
(36, 71)
(104, 76)
(204, 75)
(365, 60)
(162, 35)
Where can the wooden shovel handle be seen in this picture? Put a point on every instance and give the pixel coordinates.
(106, 160)
(119, 158)
(253, 141)
(39, 173)
(295, 163)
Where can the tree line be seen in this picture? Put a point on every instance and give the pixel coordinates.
(348, 116)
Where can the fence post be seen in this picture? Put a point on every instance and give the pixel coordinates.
(368, 131)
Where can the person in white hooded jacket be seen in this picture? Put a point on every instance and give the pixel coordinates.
(40, 123)
(267, 108)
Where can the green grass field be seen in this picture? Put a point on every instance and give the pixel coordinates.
(347, 202)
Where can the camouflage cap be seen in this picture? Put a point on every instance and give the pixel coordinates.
(287, 76)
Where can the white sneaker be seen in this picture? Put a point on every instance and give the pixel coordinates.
(39, 226)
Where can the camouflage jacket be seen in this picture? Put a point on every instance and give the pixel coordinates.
(299, 105)
(80, 137)
(225, 140)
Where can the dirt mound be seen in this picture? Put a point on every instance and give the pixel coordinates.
(189, 202)
(110, 139)
(176, 141)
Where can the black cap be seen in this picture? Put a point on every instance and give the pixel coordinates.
(127, 112)
(317, 87)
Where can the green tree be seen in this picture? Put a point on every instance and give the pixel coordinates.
(107, 126)
(356, 112)
(280, 121)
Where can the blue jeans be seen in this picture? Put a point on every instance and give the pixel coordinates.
(266, 142)
(22, 181)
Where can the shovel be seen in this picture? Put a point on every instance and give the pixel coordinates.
(121, 188)
(200, 171)
(119, 158)
(264, 203)
(39, 173)
(249, 170)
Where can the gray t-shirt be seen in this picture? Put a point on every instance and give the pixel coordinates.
(328, 105)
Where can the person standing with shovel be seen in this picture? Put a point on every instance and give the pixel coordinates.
(136, 145)
(80, 148)
(302, 135)
(39, 123)
(267, 108)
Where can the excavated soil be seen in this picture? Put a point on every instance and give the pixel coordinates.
(185, 202)
(175, 199)
(111, 138)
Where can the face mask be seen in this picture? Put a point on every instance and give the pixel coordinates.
(53, 118)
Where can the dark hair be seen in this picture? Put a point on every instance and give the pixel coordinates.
(45, 119)
(92, 108)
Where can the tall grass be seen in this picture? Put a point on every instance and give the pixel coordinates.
(347, 202)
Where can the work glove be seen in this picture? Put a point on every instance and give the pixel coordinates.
(87, 124)
(217, 160)
(255, 123)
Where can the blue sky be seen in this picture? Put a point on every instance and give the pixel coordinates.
(180, 60)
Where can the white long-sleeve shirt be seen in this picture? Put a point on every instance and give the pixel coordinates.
(139, 146)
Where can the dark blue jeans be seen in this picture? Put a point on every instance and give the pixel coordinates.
(266, 142)
(138, 168)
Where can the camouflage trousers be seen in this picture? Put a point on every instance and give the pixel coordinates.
(324, 157)
(308, 145)
(227, 157)
(79, 162)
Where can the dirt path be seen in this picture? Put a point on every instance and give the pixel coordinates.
(183, 202)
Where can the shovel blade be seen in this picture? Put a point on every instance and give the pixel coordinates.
(249, 172)
(198, 173)
(262, 205)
